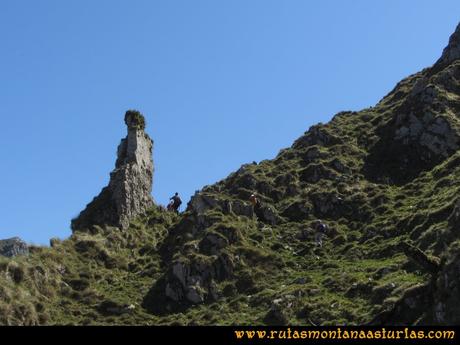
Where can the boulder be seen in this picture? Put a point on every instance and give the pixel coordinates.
(266, 214)
(317, 135)
(277, 314)
(317, 171)
(193, 281)
(212, 243)
(13, 246)
(432, 133)
(202, 202)
(297, 211)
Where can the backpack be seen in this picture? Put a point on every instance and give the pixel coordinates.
(322, 228)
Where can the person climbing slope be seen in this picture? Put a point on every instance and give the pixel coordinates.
(320, 232)
(254, 200)
(175, 203)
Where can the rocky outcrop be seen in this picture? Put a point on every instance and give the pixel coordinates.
(446, 297)
(189, 281)
(266, 214)
(424, 128)
(129, 191)
(13, 247)
(435, 302)
(452, 51)
(316, 172)
(411, 309)
(430, 264)
(297, 211)
(434, 133)
(202, 202)
(417, 140)
(335, 206)
(317, 135)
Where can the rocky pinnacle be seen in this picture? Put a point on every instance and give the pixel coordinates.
(129, 191)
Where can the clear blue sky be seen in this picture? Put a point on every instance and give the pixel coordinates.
(221, 83)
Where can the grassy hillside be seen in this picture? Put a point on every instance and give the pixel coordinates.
(384, 179)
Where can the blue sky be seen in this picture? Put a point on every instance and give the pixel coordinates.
(221, 83)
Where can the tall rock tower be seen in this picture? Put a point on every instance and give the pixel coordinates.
(129, 191)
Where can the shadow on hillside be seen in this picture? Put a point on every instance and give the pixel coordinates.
(392, 161)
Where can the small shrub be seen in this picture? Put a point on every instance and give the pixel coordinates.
(16, 273)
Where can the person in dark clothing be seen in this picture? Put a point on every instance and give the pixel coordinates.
(175, 203)
(320, 231)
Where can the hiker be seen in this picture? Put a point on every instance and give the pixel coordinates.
(320, 232)
(253, 200)
(255, 203)
(175, 203)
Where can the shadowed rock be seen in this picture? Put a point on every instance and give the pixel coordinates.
(430, 264)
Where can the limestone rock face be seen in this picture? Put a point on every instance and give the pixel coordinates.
(434, 133)
(195, 282)
(129, 191)
(201, 202)
(424, 129)
(13, 247)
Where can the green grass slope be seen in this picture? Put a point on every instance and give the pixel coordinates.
(385, 180)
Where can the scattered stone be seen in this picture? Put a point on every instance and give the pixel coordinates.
(314, 292)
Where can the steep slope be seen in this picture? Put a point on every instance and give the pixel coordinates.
(384, 179)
